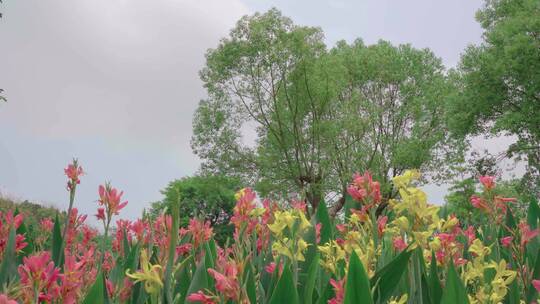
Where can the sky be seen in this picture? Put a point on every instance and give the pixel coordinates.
(115, 82)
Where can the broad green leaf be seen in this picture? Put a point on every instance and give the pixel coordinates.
(435, 289)
(454, 290)
(324, 219)
(285, 291)
(357, 288)
(200, 279)
(387, 278)
(8, 268)
(97, 292)
(310, 281)
(57, 243)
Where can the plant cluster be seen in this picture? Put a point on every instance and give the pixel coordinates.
(407, 253)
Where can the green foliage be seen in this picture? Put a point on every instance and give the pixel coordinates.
(319, 114)
(357, 288)
(499, 81)
(207, 197)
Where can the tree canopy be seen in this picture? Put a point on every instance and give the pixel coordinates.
(210, 198)
(499, 80)
(319, 114)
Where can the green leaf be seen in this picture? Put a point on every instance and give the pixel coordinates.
(533, 214)
(310, 281)
(435, 289)
(454, 291)
(200, 279)
(8, 268)
(97, 292)
(57, 243)
(250, 285)
(357, 289)
(387, 278)
(285, 291)
(324, 219)
(532, 293)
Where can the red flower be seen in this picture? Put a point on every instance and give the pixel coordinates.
(227, 282)
(381, 223)
(527, 234)
(339, 291)
(318, 232)
(47, 224)
(364, 187)
(5, 300)
(38, 274)
(399, 243)
(199, 296)
(100, 214)
(201, 231)
(73, 171)
(536, 285)
(110, 198)
(487, 181)
(506, 241)
(480, 203)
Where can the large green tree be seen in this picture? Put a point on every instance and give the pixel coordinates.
(318, 114)
(499, 81)
(207, 197)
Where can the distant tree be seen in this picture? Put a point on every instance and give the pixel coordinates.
(499, 81)
(207, 197)
(319, 115)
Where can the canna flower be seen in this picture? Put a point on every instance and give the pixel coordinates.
(110, 198)
(200, 231)
(480, 203)
(5, 300)
(46, 224)
(506, 241)
(526, 233)
(536, 285)
(332, 253)
(199, 296)
(149, 274)
(399, 243)
(487, 181)
(401, 300)
(339, 291)
(38, 277)
(73, 171)
(364, 187)
(403, 181)
(381, 223)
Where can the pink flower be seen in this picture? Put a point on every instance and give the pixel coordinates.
(199, 296)
(480, 203)
(470, 234)
(381, 223)
(270, 268)
(47, 224)
(5, 300)
(73, 171)
(507, 241)
(110, 198)
(339, 291)
(318, 232)
(183, 249)
(399, 243)
(527, 234)
(227, 282)
(201, 231)
(536, 285)
(364, 187)
(300, 205)
(38, 274)
(100, 214)
(487, 181)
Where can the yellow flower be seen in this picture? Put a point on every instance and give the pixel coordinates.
(332, 253)
(238, 195)
(149, 274)
(256, 212)
(402, 222)
(404, 180)
(401, 300)
(478, 248)
(449, 224)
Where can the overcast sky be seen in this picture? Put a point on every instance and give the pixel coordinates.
(115, 82)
